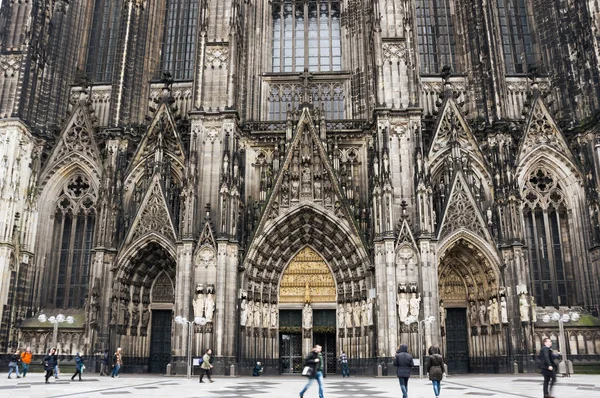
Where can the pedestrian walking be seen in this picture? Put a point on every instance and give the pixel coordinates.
(435, 369)
(403, 363)
(48, 367)
(546, 364)
(104, 364)
(78, 366)
(54, 362)
(117, 363)
(13, 364)
(314, 361)
(206, 366)
(344, 362)
(25, 360)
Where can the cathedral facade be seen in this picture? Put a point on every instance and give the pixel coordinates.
(283, 173)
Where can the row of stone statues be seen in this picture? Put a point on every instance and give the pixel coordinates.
(355, 315)
(525, 306)
(256, 314)
(204, 306)
(494, 313)
(408, 305)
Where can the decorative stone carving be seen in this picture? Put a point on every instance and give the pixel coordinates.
(199, 302)
(356, 314)
(415, 303)
(364, 313)
(307, 316)
(473, 314)
(257, 315)
(442, 314)
(162, 291)
(274, 316)
(216, 56)
(243, 312)
(524, 307)
(154, 215)
(370, 312)
(482, 314)
(250, 310)
(307, 278)
(503, 310)
(340, 316)
(494, 311)
(462, 212)
(403, 307)
(348, 316)
(209, 307)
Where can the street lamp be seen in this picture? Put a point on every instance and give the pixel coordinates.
(427, 320)
(55, 320)
(561, 319)
(183, 320)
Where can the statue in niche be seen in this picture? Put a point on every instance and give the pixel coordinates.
(363, 313)
(257, 315)
(317, 189)
(307, 316)
(356, 314)
(340, 316)
(125, 312)
(402, 307)
(503, 310)
(250, 310)
(494, 311)
(370, 312)
(209, 307)
(442, 311)
(415, 304)
(524, 308)
(243, 312)
(348, 315)
(295, 185)
(114, 311)
(266, 315)
(274, 314)
(482, 313)
(145, 318)
(473, 314)
(135, 316)
(533, 310)
(94, 309)
(199, 304)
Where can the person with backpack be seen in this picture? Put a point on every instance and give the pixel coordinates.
(117, 363)
(403, 363)
(78, 366)
(206, 366)
(25, 360)
(13, 365)
(546, 364)
(435, 369)
(314, 363)
(344, 363)
(48, 364)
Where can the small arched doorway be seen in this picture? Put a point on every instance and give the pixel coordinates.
(307, 311)
(470, 301)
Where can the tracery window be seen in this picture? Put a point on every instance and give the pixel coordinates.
(179, 43)
(435, 35)
(306, 34)
(73, 231)
(516, 37)
(328, 95)
(549, 240)
(103, 40)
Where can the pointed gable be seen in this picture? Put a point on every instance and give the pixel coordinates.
(405, 236)
(452, 126)
(207, 237)
(542, 131)
(306, 176)
(153, 215)
(75, 144)
(462, 212)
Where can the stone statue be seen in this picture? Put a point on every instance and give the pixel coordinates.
(494, 311)
(125, 312)
(482, 313)
(114, 312)
(274, 314)
(473, 313)
(402, 307)
(503, 310)
(442, 311)
(135, 316)
(348, 315)
(524, 308)
(533, 310)
(370, 312)
(356, 314)
(257, 315)
(94, 309)
(340, 316)
(209, 307)
(363, 313)
(250, 311)
(243, 312)
(415, 304)
(266, 315)
(145, 320)
(198, 304)
(307, 316)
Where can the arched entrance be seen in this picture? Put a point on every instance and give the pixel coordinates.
(307, 311)
(472, 307)
(144, 298)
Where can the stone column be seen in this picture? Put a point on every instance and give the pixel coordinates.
(383, 331)
(183, 290)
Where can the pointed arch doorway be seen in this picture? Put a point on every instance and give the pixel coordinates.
(307, 311)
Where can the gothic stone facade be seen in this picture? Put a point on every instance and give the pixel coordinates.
(297, 171)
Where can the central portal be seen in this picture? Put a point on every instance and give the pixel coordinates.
(307, 312)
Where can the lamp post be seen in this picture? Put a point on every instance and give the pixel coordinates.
(427, 320)
(183, 320)
(561, 319)
(55, 320)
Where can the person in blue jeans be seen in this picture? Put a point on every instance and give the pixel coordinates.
(435, 369)
(315, 361)
(344, 362)
(403, 363)
(117, 362)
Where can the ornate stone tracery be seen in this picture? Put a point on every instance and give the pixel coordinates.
(307, 279)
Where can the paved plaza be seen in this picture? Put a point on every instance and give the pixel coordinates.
(497, 386)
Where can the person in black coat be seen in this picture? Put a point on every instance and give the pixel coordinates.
(435, 369)
(403, 363)
(48, 367)
(547, 365)
(78, 366)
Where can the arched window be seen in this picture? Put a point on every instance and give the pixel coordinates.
(435, 35)
(549, 240)
(179, 40)
(74, 219)
(516, 36)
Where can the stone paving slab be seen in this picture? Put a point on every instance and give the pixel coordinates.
(147, 386)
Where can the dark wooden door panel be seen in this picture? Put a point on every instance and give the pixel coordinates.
(457, 340)
(160, 343)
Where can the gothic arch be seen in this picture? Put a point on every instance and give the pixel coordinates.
(127, 257)
(557, 163)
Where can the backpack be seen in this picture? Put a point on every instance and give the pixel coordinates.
(200, 360)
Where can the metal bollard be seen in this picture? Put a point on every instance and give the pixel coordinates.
(169, 369)
(515, 368)
(379, 370)
(232, 370)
